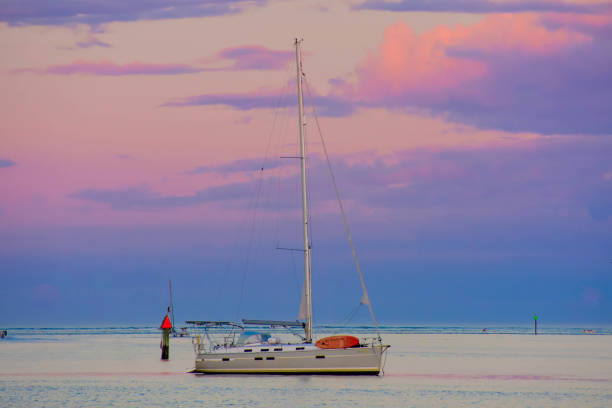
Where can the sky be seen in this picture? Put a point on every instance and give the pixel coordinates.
(140, 141)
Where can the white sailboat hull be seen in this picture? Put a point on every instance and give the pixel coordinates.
(311, 360)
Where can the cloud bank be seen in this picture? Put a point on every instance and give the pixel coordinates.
(483, 6)
(92, 41)
(515, 72)
(255, 57)
(142, 198)
(94, 12)
(326, 105)
(108, 68)
(540, 73)
(539, 179)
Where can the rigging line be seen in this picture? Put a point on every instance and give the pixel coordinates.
(311, 233)
(365, 299)
(282, 124)
(230, 259)
(297, 281)
(250, 246)
(277, 180)
(238, 232)
(300, 281)
(256, 203)
(295, 206)
(281, 131)
(307, 148)
(352, 314)
(244, 219)
(309, 183)
(280, 214)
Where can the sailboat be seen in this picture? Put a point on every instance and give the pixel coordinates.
(228, 348)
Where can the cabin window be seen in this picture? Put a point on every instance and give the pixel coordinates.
(320, 356)
(269, 358)
(258, 358)
(278, 349)
(225, 358)
(299, 348)
(247, 350)
(265, 349)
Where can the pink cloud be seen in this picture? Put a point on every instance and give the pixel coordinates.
(517, 72)
(407, 62)
(519, 33)
(439, 62)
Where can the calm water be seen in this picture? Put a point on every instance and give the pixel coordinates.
(428, 366)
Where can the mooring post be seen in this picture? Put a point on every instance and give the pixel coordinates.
(166, 326)
(535, 324)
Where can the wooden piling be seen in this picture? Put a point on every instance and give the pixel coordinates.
(165, 345)
(166, 326)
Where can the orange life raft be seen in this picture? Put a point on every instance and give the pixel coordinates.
(336, 342)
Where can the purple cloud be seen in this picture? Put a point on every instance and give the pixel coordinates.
(238, 101)
(92, 42)
(94, 12)
(541, 178)
(113, 69)
(6, 163)
(331, 106)
(560, 93)
(139, 198)
(483, 6)
(256, 57)
(536, 179)
(249, 57)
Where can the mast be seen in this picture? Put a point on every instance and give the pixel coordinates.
(301, 124)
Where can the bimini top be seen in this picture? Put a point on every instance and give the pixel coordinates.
(212, 323)
(283, 323)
